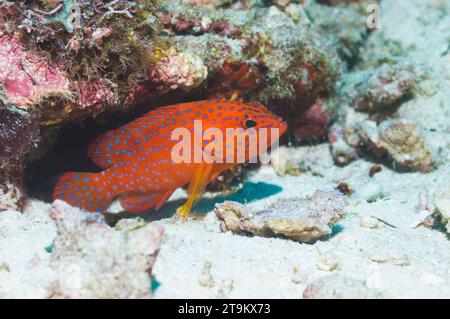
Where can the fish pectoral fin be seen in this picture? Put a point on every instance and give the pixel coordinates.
(142, 201)
(196, 189)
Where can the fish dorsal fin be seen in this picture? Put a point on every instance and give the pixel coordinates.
(120, 144)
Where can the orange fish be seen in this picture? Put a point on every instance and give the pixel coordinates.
(137, 158)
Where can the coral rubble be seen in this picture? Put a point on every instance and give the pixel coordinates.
(92, 260)
(367, 122)
(301, 219)
(442, 206)
(395, 93)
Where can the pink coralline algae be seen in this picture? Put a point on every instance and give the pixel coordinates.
(177, 70)
(26, 77)
(94, 94)
(313, 123)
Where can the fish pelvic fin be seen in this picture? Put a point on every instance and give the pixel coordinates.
(142, 201)
(196, 189)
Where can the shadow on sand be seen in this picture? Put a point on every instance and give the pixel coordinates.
(248, 193)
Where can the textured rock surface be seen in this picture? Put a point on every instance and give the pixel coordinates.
(27, 79)
(401, 77)
(303, 220)
(91, 260)
(380, 89)
(78, 255)
(401, 141)
(441, 203)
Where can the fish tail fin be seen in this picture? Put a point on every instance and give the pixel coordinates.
(87, 191)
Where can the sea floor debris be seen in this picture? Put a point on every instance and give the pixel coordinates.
(300, 219)
(79, 256)
(378, 99)
(92, 260)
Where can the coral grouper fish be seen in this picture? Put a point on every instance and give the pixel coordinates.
(137, 158)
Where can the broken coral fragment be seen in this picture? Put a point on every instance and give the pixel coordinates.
(380, 89)
(12, 196)
(398, 140)
(401, 141)
(441, 203)
(341, 151)
(301, 219)
(92, 260)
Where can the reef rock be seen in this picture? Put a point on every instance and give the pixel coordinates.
(441, 203)
(26, 77)
(381, 100)
(300, 219)
(63, 62)
(92, 260)
(380, 89)
(12, 196)
(399, 141)
(402, 141)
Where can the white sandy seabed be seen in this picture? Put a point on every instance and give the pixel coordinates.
(197, 260)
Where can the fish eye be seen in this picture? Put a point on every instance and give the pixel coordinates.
(250, 123)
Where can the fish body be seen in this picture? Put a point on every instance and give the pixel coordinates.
(138, 160)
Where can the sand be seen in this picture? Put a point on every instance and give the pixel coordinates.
(197, 260)
(377, 244)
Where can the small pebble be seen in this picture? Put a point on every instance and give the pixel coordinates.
(328, 264)
(345, 189)
(224, 289)
(393, 259)
(4, 266)
(206, 279)
(369, 222)
(297, 277)
(374, 169)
